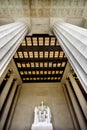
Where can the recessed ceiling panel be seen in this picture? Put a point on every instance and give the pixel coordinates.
(40, 59)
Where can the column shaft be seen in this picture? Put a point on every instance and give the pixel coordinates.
(11, 36)
(79, 95)
(77, 110)
(13, 109)
(9, 101)
(73, 40)
(6, 90)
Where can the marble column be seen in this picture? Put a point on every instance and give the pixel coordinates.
(8, 105)
(77, 110)
(11, 36)
(6, 90)
(73, 41)
(80, 97)
(3, 75)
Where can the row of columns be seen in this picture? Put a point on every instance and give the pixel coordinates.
(76, 102)
(8, 98)
(80, 97)
(73, 40)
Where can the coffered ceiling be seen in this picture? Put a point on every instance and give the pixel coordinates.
(40, 59)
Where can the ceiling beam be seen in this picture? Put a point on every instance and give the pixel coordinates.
(40, 81)
(39, 48)
(40, 75)
(54, 60)
(42, 68)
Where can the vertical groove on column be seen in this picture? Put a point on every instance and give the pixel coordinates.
(8, 105)
(12, 109)
(76, 107)
(71, 109)
(79, 95)
(5, 91)
(73, 40)
(11, 36)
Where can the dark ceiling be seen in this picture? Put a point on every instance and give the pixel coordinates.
(40, 59)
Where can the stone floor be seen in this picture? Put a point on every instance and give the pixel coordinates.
(31, 95)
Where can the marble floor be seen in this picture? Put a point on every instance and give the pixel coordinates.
(31, 95)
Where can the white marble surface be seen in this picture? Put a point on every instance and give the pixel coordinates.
(42, 114)
(73, 40)
(42, 126)
(42, 118)
(11, 36)
(53, 96)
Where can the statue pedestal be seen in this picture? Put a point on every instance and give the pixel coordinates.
(42, 126)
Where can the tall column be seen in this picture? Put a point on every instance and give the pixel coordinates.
(8, 105)
(80, 97)
(6, 90)
(73, 40)
(77, 110)
(11, 36)
(3, 75)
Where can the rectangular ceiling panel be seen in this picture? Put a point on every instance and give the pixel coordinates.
(40, 59)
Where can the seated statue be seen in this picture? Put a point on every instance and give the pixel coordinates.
(42, 118)
(42, 112)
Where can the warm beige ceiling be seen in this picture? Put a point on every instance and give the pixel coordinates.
(40, 14)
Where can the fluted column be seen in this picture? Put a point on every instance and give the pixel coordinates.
(8, 105)
(73, 40)
(80, 97)
(11, 36)
(76, 107)
(6, 90)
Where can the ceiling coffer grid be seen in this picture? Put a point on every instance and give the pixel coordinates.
(40, 59)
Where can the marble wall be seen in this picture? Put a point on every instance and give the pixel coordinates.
(31, 95)
(43, 13)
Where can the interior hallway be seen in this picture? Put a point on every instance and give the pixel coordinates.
(31, 95)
